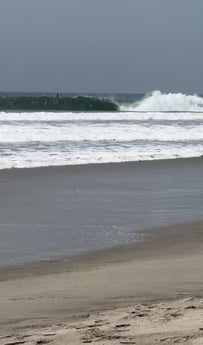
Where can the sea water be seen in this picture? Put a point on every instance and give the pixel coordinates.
(157, 126)
(47, 214)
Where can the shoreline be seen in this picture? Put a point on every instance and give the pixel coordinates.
(124, 295)
(54, 212)
(198, 159)
(151, 239)
(167, 265)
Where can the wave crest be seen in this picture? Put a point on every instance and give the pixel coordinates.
(163, 102)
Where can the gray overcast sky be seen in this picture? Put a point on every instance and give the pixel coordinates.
(101, 45)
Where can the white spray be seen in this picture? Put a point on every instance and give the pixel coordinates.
(157, 101)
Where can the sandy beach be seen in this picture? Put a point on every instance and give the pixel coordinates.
(147, 293)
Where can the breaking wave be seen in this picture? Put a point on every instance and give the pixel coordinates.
(152, 102)
(166, 102)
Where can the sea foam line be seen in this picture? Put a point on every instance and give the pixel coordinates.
(120, 116)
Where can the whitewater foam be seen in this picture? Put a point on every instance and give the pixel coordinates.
(95, 133)
(32, 139)
(124, 115)
(162, 102)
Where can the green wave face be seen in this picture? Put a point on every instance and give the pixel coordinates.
(80, 103)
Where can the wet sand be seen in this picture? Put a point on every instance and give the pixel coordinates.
(121, 296)
(61, 211)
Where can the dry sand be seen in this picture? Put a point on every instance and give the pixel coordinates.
(149, 293)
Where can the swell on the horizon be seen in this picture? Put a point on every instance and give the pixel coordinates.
(165, 102)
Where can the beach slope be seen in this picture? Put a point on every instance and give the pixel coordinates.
(147, 293)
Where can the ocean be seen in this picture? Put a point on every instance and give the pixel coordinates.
(68, 205)
(145, 127)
